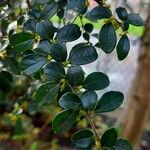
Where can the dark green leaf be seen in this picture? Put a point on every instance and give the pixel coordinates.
(123, 47)
(70, 101)
(63, 121)
(82, 54)
(18, 127)
(30, 25)
(126, 25)
(96, 81)
(43, 47)
(75, 75)
(109, 102)
(107, 38)
(47, 93)
(68, 33)
(88, 27)
(49, 10)
(76, 5)
(99, 12)
(122, 145)
(135, 19)
(86, 36)
(83, 138)
(109, 138)
(45, 29)
(22, 41)
(122, 13)
(32, 63)
(54, 71)
(59, 52)
(89, 100)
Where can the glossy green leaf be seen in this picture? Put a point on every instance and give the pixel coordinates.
(109, 138)
(45, 29)
(50, 10)
(83, 138)
(59, 52)
(75, 75)
(30, 25)
(88, 27)
(32, 63)
(68, 33)
(99, 12)
(122, 13)
(82, 54)
(22, 41)
(123, 47)
(109, 102)
(47, 93)
(54, 71)
(122, 145)
(96, 81)
(135, 19)
(107, 38)
(70, 101)
(89, 100)
(63, 121)
(43, 47)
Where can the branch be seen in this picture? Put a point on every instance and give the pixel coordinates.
(29, 4)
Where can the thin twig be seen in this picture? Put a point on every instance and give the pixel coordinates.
(29, 4)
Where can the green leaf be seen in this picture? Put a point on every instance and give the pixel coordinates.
(45, 29)
(99, 12)
(63, 121)
(54, 71)
(49, 10)
(109, 138)
(122, 13)
(83, 138)
(68, 33)
(43, 47)
(76, 5)
(107, 38)
(70, 101)
(59, 52)
(123, 47)
(75, 75)
(30, 64)
(88, 27)
(22, 41)
(89, 100)
(135, 19)
(30, 25)
(82, 54)
(122, 145)
(6, 80)
(47, 93)
(109, 102)
(96, 81)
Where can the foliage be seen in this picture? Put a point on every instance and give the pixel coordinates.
(36, 48)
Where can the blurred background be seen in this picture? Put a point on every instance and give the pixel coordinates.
(25, 126)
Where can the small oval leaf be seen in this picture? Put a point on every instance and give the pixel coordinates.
(89, 100)
(109, 102)
(70, 101)
(135, 19)
(83, 138)
(122, 13)
(32, 63)
(109, 138)
(68, 33)
(47, 93)
(107, 38)
(75, 75)
(82, 54)
(96, 81)
(123, 47)
(63, 121)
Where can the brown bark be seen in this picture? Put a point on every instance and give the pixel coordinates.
(139, 105)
